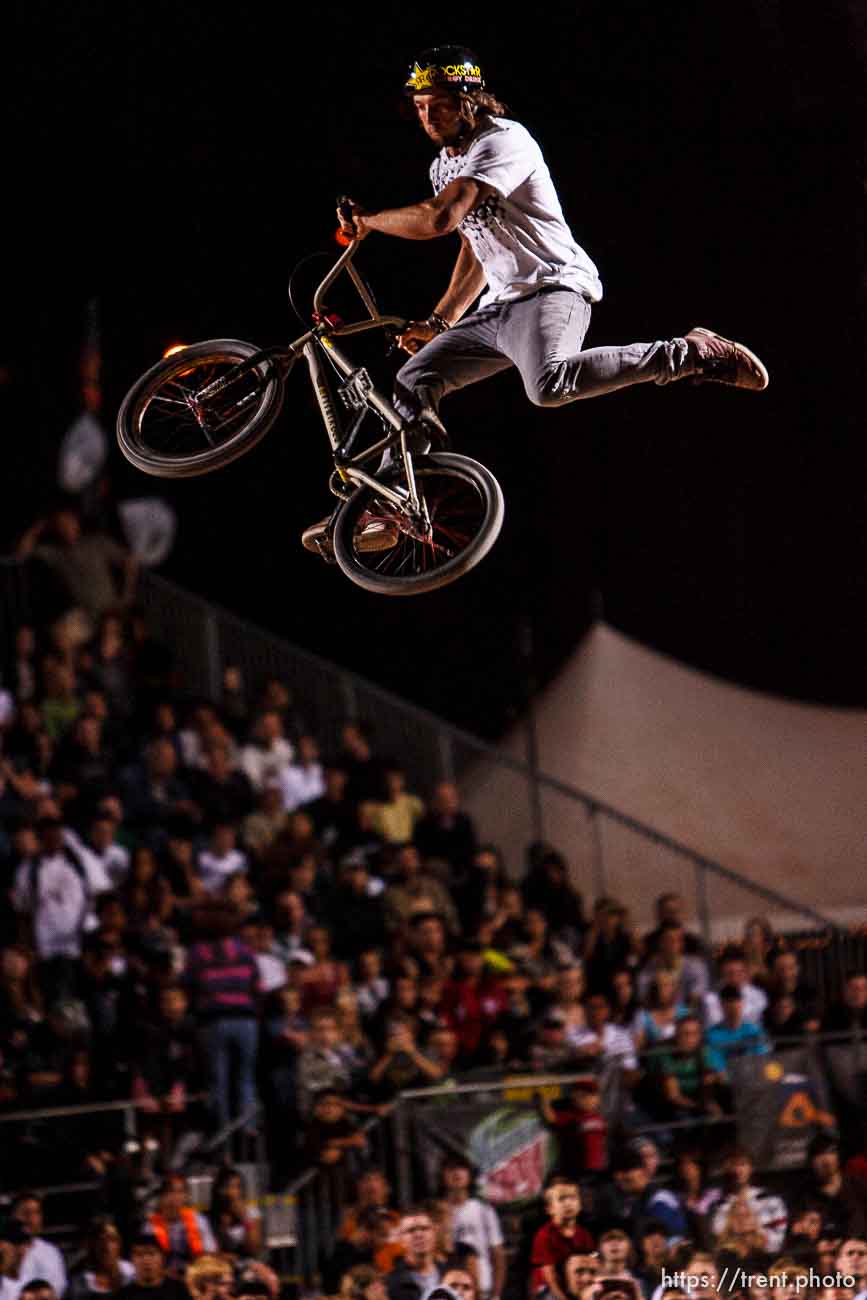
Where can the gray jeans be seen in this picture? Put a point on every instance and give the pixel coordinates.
(541, 335)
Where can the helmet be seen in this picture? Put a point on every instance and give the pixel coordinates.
(453, 66)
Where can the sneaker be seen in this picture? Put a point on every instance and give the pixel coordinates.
(720, 361)
(376, 535)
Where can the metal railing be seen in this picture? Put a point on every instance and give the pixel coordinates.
(614, 850)
(610, 852)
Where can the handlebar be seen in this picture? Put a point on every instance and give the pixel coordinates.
(344, 263)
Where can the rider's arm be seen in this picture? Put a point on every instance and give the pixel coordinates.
(433, 217)
(467, 282)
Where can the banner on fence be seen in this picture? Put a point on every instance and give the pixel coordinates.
(781, 1103)
(502, 1133)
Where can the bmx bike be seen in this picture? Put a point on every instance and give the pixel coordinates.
(206, 404)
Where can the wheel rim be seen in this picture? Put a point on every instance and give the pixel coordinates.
(175, 419)
(456, 508)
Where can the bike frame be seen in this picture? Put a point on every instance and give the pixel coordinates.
(362, 396)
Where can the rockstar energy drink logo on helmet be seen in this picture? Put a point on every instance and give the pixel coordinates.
(426, 76)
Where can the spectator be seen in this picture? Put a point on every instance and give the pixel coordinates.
(672, 907)
(741, 1242)
(472, 1001)
(689, 1075)
(402, 1065)
(258, 934)
(446, 832)
(330, 1133)
(785, 979)
(580, 1272)
(223, 979)
(758, 949)
(322, 1064)
(852, 1262)
(260, 828)
(625, 1006)
(697, 1196)
(221, 792)
(428, 944)
(357, 918)
(609, 1046)
(770, 1210)
(82, 768)
(154, 793)
(233, 703)
(112, 859)
(415, 890)
(417, 1272)
(654, 1254)
(850, 1012)
(108, 667)
(372, 987)
(568, 1000)
(14, 1244)
(104, 1271)
(690, 973)
(540, 954)
(210, 1277)
(149, 1257)
(462, 1282)
(582, 1130)
(368, 1244)
(170, 1067)
(332, 813)
(182, 1233)
(322, 980)
(608, 945)
(547, 889)
(734, 1037)
(782, 1021)
(549, 1049)
(222, 858)
(733, 970)
(657, 1020)
(41, 1259)
(236, 1221)
(50, 892)
(560, 1238)
(617, 1253)
(629, 1200)
(269, 753)
(363, 771)
(841, 1200)
(372, 1191)
(475, 1223)
(86, 566)
(302, 781)
(398, 812)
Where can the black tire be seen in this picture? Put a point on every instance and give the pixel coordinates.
(456, 489)
(158, 429)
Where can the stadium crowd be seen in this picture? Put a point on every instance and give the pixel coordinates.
(204, 912)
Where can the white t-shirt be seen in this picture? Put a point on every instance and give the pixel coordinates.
(754, 1001)
(300, 784)
(44, 1260)
(519, 234)
(215, 871)
(477, 1224)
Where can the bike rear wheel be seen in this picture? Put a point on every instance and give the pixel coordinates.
(168, 426)
(465, 508)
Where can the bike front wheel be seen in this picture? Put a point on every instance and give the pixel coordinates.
(462, 506)
(192, 413)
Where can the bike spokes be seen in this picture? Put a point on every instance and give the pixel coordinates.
(453, 512)
(202, 405)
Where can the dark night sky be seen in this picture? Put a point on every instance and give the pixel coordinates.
(177, 159)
